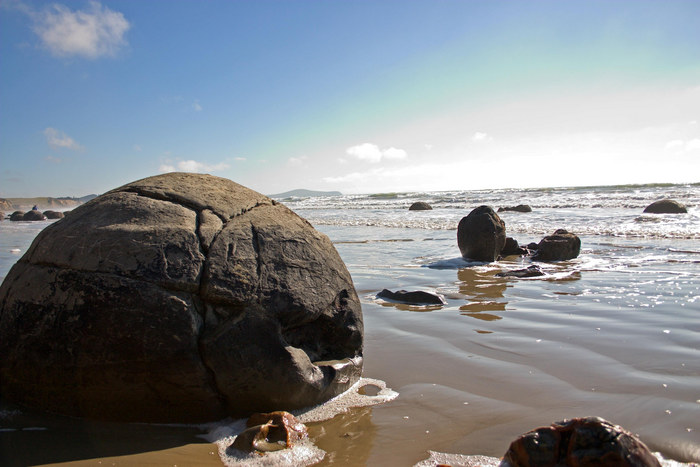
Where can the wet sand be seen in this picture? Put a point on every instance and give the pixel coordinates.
(502, 357)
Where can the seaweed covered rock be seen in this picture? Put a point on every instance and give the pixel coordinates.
(583, 442)
(560, 246)
(666, 206)
(178, 298)
(481, 235)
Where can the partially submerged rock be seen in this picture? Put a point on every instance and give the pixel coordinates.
(178, 298)
(269, 432)
(420, 206)
(17, 216)
(531, 271)
(666, 206)
(583, 442)
(417, 297)
(511, 248)
(33, 216)
(560, 246)
(481, 235)
(518, 208)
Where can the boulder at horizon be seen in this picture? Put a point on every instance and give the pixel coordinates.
(666, 206)
(420, 206)
(178, 298)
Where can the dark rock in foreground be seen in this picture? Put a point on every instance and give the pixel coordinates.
(584, 442)
(420, 206)
(666, 206)
(518, 208)
(178, 298)
(558, 247)
(481, 235)
(417, 297)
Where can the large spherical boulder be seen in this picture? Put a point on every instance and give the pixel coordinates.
(560, 246)
(584, 442)
(481, 235)
(178, 298)
(666, 206)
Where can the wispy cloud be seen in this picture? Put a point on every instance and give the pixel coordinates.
(59, 140)
(297, 161)
(197, 106)
(192, 166)
(480, 137)
(680, 145)
(91, 33)
(372, 153)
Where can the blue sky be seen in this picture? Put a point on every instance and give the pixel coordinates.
(355, 96)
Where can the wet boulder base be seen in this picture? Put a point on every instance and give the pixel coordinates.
(180, 297)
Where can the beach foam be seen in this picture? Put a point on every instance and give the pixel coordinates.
(366, 392)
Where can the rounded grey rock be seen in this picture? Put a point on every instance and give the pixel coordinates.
(178, 298)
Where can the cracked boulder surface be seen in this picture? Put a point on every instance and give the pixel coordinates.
(178, 298)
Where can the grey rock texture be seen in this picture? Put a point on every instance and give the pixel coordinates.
(178, 298)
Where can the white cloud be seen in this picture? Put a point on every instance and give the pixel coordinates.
(240, 159)
(192, 166)
(679, 145)
(59, 140)
(197, 106)
(297, 161)
(91, 33)
(372, 153)
(480, 137)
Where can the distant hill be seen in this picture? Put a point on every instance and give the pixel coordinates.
(44, 202)
(305, 194)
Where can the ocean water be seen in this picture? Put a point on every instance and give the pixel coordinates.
(613, 333)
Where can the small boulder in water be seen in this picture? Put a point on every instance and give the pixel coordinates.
(33, 216)
(518, 208)
(17, 216)
(666, 206)
(512, 248)
(584, 442)
(481, 235)
(532, 271)
(420, 206)
(560, 246)
(417, 297)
